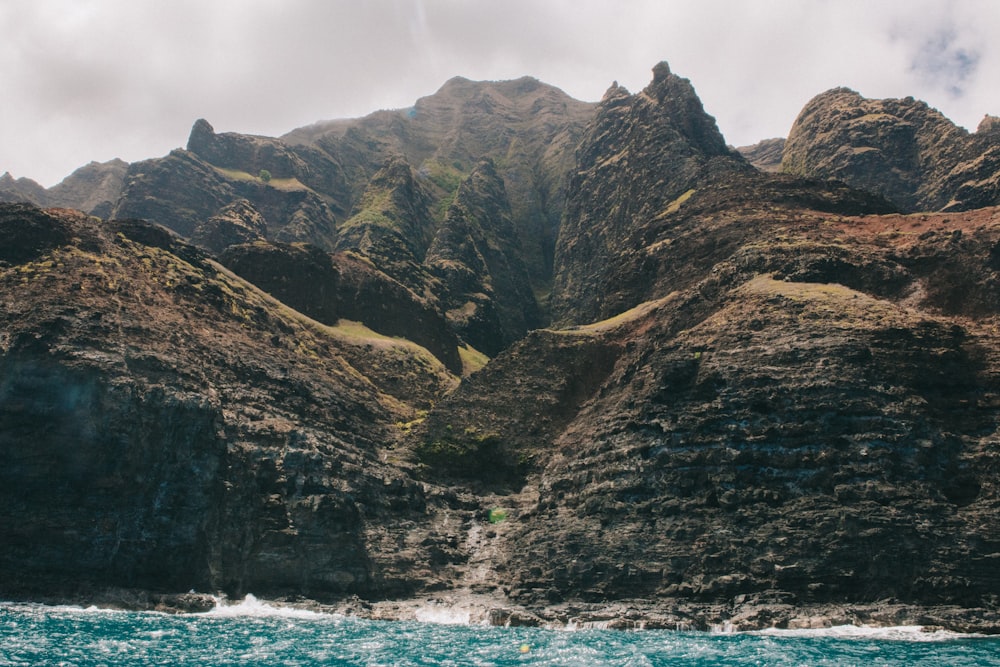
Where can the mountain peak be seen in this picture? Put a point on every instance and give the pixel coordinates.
(902, 149)
(202, 132)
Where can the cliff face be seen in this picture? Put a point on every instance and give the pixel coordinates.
(166, 425)
(181, 191)
(93, 188)
(814, 421)
(478, 258)
(330, 287)
(764, 390)
(527, 128)
(794, 396)
(901, 149)
(641, 153)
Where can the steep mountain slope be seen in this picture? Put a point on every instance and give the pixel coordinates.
(21, 190)
(901, 149)
(793, 402)
(528, 128)
(764, 393)
(641, 153)
(181, 191)
(93, 188)
(813, 421)
(392, 224)
(765, 155)
(478, 257)
(165, 425)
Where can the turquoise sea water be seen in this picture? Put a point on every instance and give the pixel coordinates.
(256, 634)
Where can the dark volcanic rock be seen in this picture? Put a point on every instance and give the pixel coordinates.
(529, 129)
(759, 432)
(178, 191)
(28, 232)
(392, 225)
(641, 153)
(478, 257)
(166, 426)
(236, 223)
(329, 288)
(774, 399)
(182, 191)
(250, 154)
(899, 148)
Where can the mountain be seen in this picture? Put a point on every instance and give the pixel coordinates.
(187, 430)
(641, 154)
(93, 188)
(331, 367)
(899, 148)
(21, 189)
(765, 155)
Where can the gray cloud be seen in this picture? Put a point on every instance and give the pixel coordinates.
(97, 79)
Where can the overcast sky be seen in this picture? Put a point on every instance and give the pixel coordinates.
(84, 80)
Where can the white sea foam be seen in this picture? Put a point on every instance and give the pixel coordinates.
(251, 606)
(910, 633)
(443, 615)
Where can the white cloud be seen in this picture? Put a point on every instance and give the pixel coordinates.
(96, 79)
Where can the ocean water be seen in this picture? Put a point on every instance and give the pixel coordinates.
(254, 633)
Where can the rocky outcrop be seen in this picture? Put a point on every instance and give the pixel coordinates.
(236, 223)
(178, 191)
(899, 148)
(392, 225)
(529, 129)
(21, 190)
(642, 154)
(183, 192)
(249, 154)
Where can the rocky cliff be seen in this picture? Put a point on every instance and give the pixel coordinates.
(763, 394)
(899, 148)
(166, 425)
(642, 154)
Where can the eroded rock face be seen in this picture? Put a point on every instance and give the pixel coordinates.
(641, 153)
(183, 192)
(770, 391)
(93, 188)
(236, 223)
(21, 190)
(529, 128)
(477, 256)
(330, 287)
(899, 148)
(165, 425)
(392, 225)
(770, 429)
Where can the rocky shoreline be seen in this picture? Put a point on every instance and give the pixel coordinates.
(743, 614)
